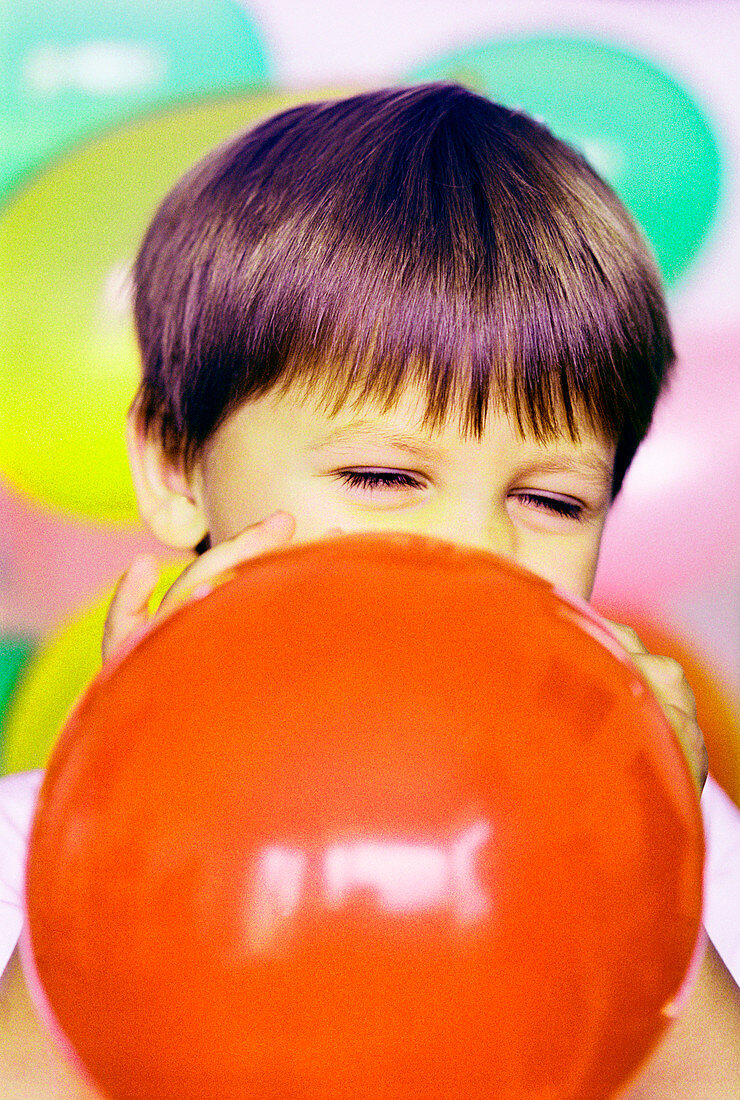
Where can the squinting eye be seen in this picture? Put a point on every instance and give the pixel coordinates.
(558, 506)
(380, 479)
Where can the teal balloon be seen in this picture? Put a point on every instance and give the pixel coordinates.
(71, 68)
(14, 655)
(636, 125)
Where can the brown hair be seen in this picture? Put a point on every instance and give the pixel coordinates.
(415, 235)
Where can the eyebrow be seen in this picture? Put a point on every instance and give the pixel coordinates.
(587, 463)
(365, 431)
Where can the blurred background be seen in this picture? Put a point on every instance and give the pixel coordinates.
(104, 103)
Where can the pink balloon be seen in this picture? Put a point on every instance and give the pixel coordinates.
(676, 523)
(52, 564)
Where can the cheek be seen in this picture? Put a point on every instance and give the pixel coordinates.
(586, 583)
(569, 566)
(233, 504)
(241, 489)
(248, 500)
(584, 568)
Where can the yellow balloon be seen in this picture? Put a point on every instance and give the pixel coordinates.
(68, 358)
(55, 678)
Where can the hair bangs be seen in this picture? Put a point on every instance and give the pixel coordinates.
(420, 237)
(465, 318)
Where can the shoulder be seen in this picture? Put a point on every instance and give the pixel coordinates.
(722, 875)
(18, 794)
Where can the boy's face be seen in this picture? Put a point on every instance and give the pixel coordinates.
(541, 504)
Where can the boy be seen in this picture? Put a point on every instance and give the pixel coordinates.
(409, 310)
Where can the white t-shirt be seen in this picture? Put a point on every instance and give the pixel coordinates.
(722, 875)
(18, 794)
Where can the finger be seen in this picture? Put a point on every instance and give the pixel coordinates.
(129, 608)
(210, 568)
(625, 635)
(665, 675)
(692, 743)
(668, 681)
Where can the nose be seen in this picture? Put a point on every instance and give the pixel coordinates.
(480, 528)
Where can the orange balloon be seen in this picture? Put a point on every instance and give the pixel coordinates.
(378, 817)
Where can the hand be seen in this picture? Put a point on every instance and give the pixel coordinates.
(128, 615)
(671, 688)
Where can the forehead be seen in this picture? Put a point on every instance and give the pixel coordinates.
(293, 419)
(411, 407)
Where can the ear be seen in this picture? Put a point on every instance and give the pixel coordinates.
(166, 493)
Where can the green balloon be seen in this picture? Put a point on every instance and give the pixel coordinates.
(640, 129)
(14, 654)
(69, 365)
(70, 68)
